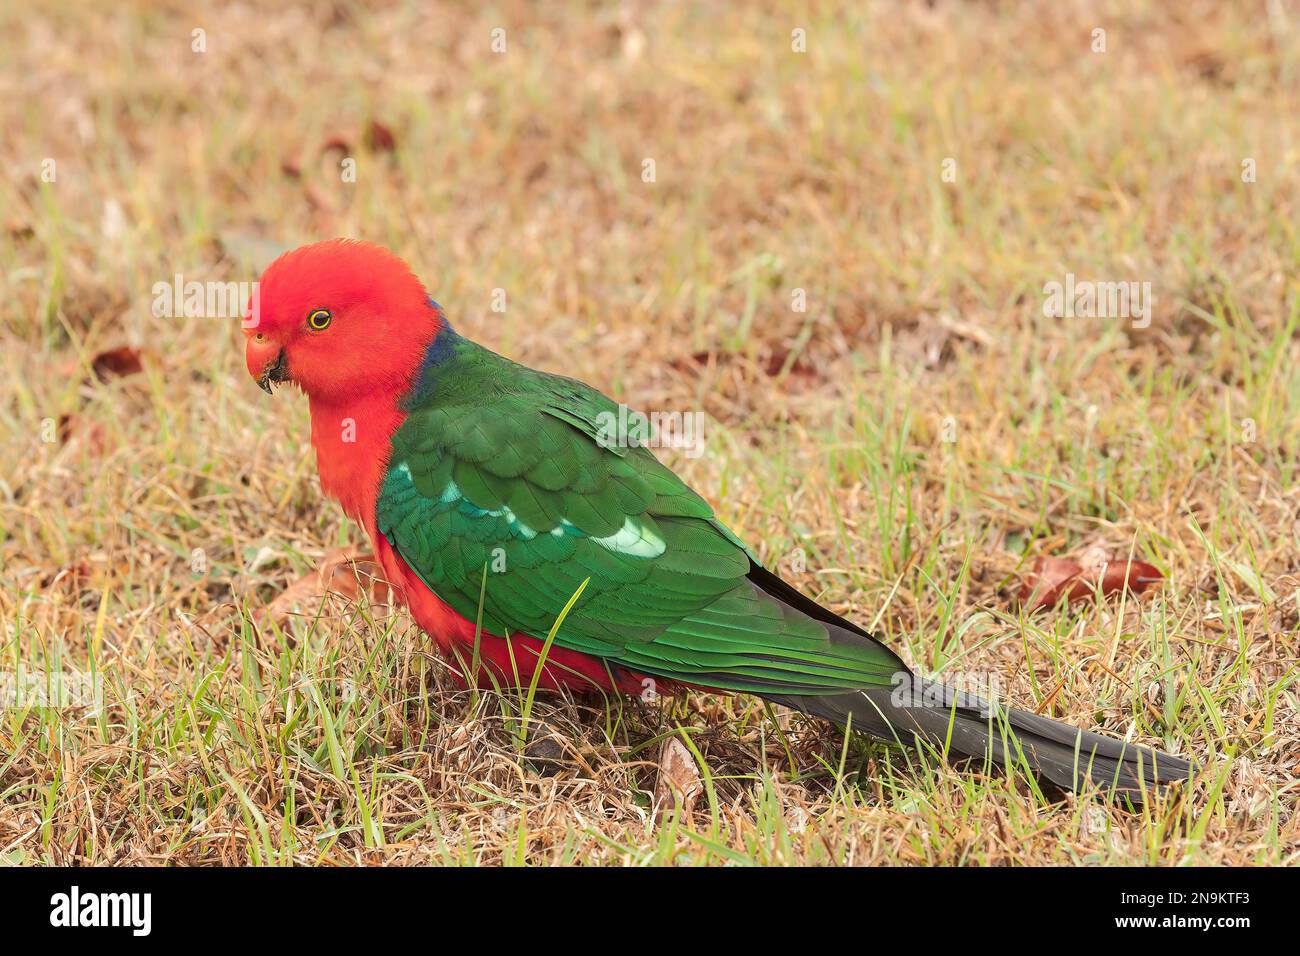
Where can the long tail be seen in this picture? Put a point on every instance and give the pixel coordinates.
(960, 726)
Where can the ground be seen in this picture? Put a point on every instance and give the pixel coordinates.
(832, 244)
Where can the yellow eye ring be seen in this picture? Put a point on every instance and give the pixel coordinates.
(319, 320)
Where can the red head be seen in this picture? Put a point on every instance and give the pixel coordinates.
(342, 319)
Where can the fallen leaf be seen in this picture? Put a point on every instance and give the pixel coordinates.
(344, 571)
(111, 363)
(779, 362)
(379, 138)
(117, 363)
(679, 779)
(1076, 580)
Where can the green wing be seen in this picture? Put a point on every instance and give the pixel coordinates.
(501, 469)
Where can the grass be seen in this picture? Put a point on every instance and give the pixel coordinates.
(173, 503)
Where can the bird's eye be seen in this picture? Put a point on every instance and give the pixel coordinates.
(319, 320)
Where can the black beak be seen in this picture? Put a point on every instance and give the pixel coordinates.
(277, 371)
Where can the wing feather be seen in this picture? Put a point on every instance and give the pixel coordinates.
(502, 471)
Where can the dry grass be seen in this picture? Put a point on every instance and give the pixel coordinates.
(340, 740)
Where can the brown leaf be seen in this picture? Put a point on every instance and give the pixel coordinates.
(777, 360)
(379, 138)
(1076, 580)
(679, 779)
(344, 571)
(117, 363)
(1137, 576)
(110, 363)
(1048, 581)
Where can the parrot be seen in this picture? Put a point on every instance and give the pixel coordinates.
(537, 552)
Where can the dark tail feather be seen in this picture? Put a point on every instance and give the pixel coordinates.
(962, 726)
